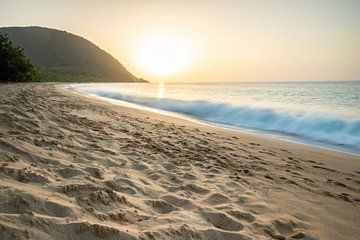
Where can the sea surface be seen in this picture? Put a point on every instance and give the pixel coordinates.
(325, 114)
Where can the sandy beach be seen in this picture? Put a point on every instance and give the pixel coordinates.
(76, 167)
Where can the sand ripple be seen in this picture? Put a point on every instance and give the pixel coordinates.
(72, 168)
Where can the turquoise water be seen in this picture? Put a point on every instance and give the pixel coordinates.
(321, 113)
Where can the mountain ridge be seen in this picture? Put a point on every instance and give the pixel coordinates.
(64, 56)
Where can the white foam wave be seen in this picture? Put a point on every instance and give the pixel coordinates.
(320, 127)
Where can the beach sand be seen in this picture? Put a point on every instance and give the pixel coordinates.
(75, 167)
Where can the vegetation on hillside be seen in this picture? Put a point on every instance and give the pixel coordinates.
(14, 65)
(61, 56)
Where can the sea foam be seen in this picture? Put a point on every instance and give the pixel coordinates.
(315, 126)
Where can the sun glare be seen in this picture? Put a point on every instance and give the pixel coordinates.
(161, 55)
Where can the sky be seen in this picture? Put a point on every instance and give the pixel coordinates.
(225, 40)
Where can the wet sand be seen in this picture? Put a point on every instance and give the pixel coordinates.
(75, 167)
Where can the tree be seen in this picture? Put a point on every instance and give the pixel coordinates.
(14, 65)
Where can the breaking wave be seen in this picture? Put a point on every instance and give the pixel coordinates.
(320, 127)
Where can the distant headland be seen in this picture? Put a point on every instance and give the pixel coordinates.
(65, 57)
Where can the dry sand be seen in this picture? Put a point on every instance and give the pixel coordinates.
(73, 167)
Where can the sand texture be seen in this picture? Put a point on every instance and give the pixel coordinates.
(72, 167)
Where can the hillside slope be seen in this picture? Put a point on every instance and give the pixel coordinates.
(63, 56)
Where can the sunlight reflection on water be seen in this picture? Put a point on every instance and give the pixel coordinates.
(161, 90)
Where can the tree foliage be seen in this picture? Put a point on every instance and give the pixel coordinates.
(14, 65)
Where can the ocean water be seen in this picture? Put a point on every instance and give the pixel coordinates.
(326, 114)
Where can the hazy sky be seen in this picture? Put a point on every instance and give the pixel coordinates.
(267, 40)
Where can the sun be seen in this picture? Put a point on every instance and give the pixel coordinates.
(162, 55)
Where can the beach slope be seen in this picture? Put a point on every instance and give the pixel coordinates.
(74, 167)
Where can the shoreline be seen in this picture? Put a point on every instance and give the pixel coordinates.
(283, 136)
(76, 167)
(196, 121)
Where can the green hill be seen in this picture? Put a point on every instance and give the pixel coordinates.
(62, 56)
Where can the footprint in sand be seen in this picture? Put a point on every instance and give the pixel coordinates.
(216, 199)
(161, 206)
(222, 221)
